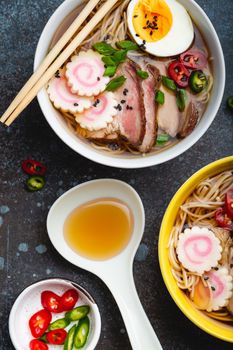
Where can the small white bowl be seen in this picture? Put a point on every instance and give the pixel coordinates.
(28, 303)
(82, 147)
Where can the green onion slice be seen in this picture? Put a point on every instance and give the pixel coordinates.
(115, 83)
(142, 74)
(162, 139)
(169, 83)
(159, 97)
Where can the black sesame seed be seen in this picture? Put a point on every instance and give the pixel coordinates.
(57, 74)
(98, 78)
(75, 104)
(231, 265)
(137, 35)
(144, 28)
(147, 22)
(206, 278)
(213, 288)
(135, 16)
(123, 101)
(216, 268)
(151, 33)
(144, 41)
(145, 15)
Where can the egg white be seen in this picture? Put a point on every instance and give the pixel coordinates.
(177, 40)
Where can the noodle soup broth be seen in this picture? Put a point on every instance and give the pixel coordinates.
(200, 247)
(118, 135)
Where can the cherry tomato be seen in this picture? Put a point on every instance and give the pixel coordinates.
(179, 73)
(56, 337)
(51, 301)
(39, 323)
(223, 219)
(32, 167)
(193, 59)
(229, 203)
(36, 344)
(69, 299)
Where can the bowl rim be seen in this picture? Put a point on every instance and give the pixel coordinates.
(119, 162)
(194, 315)
(97, 316)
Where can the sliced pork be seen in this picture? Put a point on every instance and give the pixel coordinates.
(190, 120)
(131, 116)
(148, 87)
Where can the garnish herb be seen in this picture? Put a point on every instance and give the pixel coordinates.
(230, 102)
(198, 81)
(142, 74)
(159, 97)
(127, 45)
(119, 56)
(181, 98)
(104, 48)
(110, 71)
(162, 139)
(108, 61)
(115, 83)
(169, 83)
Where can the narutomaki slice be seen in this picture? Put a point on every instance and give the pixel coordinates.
(198, 249)
(62, 97)
(221, 286)
(85, 74)
(100, 114)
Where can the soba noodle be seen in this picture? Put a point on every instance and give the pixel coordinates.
(199, 209)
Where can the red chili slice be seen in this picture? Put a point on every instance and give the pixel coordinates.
(51, 301)
(69, 299)
(179, 73)
(32, 167)
(39, 323)
(223, 219)
(36, 344)
(193, 59)
(229, 203)
(56, 337)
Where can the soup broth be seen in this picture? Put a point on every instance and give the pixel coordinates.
(99, 229)
(139, 126)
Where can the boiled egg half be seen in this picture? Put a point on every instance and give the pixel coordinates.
(163, 27)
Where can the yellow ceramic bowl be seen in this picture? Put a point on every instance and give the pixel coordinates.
(215, 328)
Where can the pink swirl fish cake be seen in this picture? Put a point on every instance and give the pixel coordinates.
(62, 97)
(198, 249)
(100, 114)
(85, 74)
(221, 286)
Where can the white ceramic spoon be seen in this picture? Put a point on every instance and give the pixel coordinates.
(116, 272)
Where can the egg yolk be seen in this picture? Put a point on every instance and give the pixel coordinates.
(152, 19)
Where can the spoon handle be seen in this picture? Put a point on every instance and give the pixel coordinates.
(140, 331)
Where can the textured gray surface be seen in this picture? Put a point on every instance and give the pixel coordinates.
(26, 254)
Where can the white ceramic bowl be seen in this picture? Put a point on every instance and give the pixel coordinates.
(28, 303)
(58, 124)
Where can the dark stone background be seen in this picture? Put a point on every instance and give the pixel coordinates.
(23, 214)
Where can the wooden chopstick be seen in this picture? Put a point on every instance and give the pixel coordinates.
(42, 76)
(50, 57)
